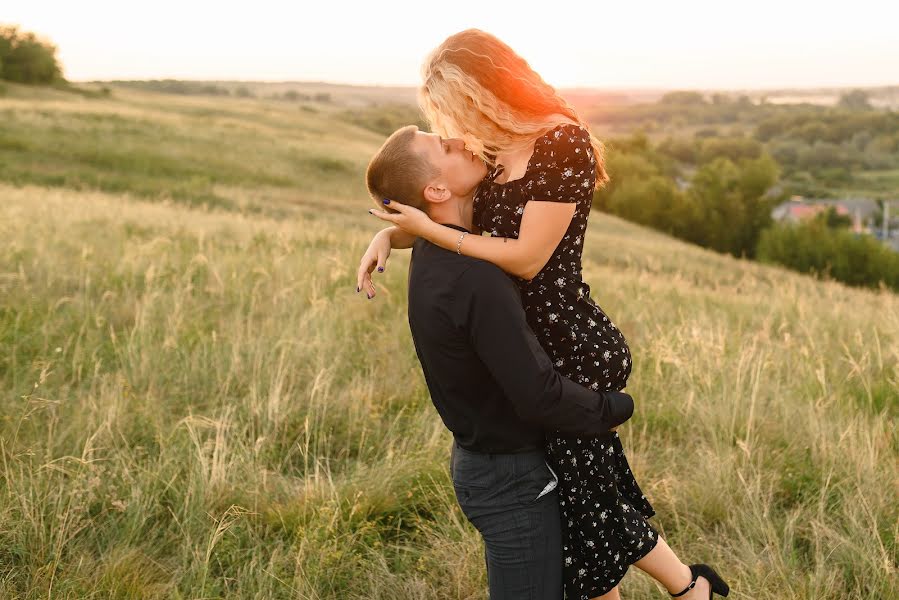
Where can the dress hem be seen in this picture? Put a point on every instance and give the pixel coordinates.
(598, 591)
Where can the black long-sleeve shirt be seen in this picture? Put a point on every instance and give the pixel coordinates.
(490, 380)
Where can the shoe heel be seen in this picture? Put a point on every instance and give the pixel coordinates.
(718, 586)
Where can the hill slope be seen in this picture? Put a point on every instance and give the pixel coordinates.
(197, 403)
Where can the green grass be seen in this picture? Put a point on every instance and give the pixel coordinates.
(197, 404)
(199, 151)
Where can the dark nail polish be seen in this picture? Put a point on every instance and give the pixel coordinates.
(380, 269)
(369, 297)
(386, 201)
(357, 290)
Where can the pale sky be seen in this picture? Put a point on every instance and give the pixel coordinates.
(628, 43)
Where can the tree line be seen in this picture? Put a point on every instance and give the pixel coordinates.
(718, 190)
(722, 203)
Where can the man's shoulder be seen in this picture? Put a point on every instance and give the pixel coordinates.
(460, 263)
(432, 264)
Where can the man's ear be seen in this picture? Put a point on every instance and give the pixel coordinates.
(435, 192)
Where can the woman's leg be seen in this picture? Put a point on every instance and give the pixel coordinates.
(663, 565)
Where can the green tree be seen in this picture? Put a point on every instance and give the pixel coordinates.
(26, 59)
(626, 159)
(654, 201)
(832, 219)
(733, 148)
(5, 47)
(730, 205)
(681, 149)
(854, 100)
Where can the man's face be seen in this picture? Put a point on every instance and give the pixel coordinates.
(460, 170)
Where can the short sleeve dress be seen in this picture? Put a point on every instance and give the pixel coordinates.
(603, 509)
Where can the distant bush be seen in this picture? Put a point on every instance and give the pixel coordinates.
(817, 249)
(682, 98)
(87, 91)
(821, 155)
(680, 148)
(295, 96)
(854, 100)
(732, 148)
(176, 86)
(787, 152)
(386, 119)
(211, 89)
(834, 220)
(26, 59)
(834, 176)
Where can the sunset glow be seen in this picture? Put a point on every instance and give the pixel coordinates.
(596, 44)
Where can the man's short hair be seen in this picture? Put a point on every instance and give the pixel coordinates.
(399, 173)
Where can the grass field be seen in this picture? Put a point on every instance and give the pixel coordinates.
(197, 404)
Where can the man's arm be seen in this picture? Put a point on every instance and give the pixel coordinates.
(502, 339)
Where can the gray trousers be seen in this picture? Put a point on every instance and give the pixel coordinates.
(511, 500)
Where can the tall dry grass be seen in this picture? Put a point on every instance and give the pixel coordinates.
(197, 404)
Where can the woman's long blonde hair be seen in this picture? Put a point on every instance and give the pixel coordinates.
(476, 88)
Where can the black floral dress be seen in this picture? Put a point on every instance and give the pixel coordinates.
(604, 513)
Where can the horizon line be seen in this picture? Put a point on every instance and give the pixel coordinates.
(642, 88)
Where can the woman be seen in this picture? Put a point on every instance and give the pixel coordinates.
(535, 202)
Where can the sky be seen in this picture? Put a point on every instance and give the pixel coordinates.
(624, 44)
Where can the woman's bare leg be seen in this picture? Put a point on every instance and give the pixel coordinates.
(663, 565)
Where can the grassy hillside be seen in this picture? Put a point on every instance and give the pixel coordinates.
(261, 155)
(197, 404)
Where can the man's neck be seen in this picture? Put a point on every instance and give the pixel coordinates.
(455, 211)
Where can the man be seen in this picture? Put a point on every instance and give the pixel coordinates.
(489, 379)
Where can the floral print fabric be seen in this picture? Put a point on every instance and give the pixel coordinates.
(604, 513)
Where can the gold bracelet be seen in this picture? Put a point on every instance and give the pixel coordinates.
(459, 245)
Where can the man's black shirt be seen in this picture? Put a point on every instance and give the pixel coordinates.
(490, 380)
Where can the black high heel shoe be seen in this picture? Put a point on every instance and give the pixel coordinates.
(716, 584)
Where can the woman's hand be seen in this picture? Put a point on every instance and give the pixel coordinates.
(375, 256)
(407, 218)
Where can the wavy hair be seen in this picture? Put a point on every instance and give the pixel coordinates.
(476, 88)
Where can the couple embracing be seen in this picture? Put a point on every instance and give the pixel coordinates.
(523, 367)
